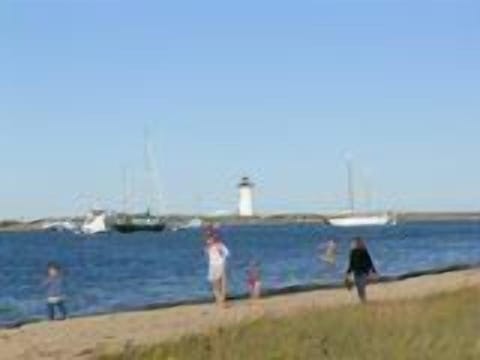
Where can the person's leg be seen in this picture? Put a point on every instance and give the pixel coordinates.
(251, 291)
(62, 309)
(361, 284)
(50, 311)
(257, 290)
(223, 288)
(216, 291)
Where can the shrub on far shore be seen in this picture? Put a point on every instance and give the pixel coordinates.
(9, 223)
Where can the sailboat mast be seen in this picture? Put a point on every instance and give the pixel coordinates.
(148, 171)
(351, 187)
(155, 200)
(125, 191)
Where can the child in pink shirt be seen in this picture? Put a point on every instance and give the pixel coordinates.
(253, 281)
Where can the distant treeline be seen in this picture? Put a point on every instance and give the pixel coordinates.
(9, 223)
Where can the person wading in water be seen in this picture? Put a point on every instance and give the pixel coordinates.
(330, 252)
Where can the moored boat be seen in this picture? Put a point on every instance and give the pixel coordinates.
(146, 223)
(362, 220)
(95, 223)
(356, 219)
(60, 226)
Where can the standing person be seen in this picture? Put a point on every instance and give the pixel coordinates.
(217, 254)
(361, 266)
(254, 281)
(55, 292)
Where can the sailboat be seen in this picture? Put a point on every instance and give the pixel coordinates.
(355, 219)
(146, 221)
(141, 222)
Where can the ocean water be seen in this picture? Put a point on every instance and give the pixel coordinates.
(115, 272)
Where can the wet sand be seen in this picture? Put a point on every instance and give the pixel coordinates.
(84, 338)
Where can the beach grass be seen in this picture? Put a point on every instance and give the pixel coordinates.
(441, 327)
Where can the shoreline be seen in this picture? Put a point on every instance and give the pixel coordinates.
(266, 294)
(19, 226)
(106, 333)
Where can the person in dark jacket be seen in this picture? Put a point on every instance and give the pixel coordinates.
(361, 266)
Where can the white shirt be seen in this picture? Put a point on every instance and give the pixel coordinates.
(217, 254)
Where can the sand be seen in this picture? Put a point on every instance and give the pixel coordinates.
(83, 338)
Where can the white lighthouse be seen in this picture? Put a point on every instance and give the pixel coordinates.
(245, 203)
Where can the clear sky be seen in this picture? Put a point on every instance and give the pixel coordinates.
(277, 90)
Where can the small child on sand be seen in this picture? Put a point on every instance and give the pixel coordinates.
(55, 292)
(253, 281)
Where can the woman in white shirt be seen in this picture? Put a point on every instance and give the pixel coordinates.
(217, 254)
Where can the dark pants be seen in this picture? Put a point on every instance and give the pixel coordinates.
(60, 305)
(361, 281)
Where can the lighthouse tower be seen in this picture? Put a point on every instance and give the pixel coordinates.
(245, 203)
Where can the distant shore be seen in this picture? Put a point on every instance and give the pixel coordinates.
(99, 334)
(275, 219)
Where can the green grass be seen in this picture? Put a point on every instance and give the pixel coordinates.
(443, 327)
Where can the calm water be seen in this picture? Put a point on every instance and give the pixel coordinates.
(114, 272)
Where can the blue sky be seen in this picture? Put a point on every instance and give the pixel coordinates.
(276, 90)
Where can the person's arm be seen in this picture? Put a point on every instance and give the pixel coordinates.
(370, 263)
(225, 251)
(45, 283)
(350, 264)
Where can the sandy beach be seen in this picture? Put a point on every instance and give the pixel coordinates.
(83, 338)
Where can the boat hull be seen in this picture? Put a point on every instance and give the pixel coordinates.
(131, 228)
(361, 220)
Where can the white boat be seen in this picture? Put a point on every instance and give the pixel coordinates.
(60, 226)
(195, 223)
(362, 220)
(355, 219)
(95, 223)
